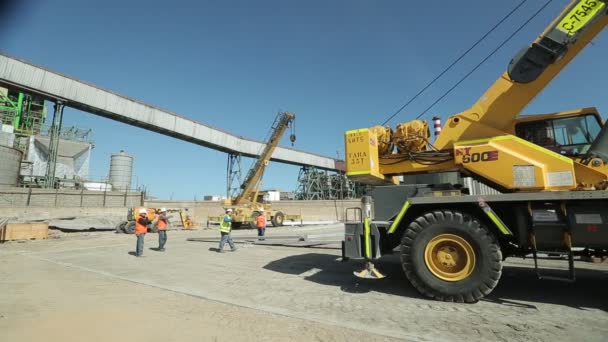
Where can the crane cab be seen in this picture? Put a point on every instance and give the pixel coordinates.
(568, 133)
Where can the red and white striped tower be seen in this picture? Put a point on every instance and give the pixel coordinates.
(437, 125)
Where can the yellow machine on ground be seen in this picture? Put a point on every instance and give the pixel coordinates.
(128, 226)
(246, 205)
(551, 171)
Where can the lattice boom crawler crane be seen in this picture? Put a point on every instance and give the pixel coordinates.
(551, 171)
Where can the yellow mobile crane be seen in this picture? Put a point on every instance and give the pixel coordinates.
(551, 171)
(246, 205)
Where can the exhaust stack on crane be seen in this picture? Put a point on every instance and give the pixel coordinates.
(437, 125)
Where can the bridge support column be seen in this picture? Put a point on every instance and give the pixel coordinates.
(51, 165)
(233, 175)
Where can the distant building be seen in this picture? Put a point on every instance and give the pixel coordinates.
(275, 195)
(288, 196)
(72, 162)
(214, 198)
(270, 195)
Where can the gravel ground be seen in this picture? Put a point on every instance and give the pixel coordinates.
(88, 286)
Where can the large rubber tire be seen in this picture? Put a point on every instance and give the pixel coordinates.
(277, 219)
(420, 243)
(130, 227)
(120, 228)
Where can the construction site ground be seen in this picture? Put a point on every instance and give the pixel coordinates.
(90, 287)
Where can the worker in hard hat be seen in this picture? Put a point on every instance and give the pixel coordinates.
(141, 228)
(225, 229)
(161, 225)
(260, 223)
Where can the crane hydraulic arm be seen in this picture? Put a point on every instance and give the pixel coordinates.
(485, 128)
(250, 186)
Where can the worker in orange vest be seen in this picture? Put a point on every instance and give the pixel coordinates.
(141, 228)
(161, 224)
(260, 223)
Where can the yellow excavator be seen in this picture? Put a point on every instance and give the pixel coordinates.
(246, 205)
(550, 173)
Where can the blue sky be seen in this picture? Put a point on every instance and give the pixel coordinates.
(338, 65)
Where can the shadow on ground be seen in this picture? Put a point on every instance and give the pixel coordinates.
(517, 285)
(327, 269)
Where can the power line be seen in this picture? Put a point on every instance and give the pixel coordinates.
(454, 62)
(485, 59)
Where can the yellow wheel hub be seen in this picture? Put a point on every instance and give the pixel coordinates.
(449, 257)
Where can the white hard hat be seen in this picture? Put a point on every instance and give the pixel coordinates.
(162, 210)
(262, 210)
(143, 211)
(229, 210)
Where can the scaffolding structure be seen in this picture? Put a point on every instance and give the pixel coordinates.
(23, 126)
(72, 133)
(24, 112)
(316, 184)
(21, 116)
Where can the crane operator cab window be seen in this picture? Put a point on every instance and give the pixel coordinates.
(570, 136)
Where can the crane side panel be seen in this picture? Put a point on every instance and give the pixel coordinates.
(516, 164)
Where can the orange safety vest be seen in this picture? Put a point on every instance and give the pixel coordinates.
(140, 228)
(161, 224)
(260, 221)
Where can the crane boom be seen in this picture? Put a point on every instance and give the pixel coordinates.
(250, 185)
(528, 73)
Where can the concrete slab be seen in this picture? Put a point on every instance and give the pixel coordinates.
(86, 223)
